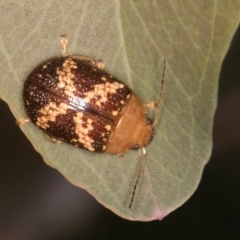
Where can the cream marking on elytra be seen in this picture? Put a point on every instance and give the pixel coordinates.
(104, 147)
(108, 127)
(82, 130)
(114, 113)
(101, 91)
(49, 113)
(65, 77)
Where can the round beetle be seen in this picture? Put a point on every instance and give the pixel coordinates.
(72, 99)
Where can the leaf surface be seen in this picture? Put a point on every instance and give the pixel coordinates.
(132, 37)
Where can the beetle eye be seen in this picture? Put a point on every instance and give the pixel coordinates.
(135, 147)
(149, 121)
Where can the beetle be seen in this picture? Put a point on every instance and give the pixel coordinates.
(72, 99)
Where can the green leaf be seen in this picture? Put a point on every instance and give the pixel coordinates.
(132, 37)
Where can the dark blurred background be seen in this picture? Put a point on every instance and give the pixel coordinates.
(37, 203)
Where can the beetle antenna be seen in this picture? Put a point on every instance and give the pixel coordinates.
(64, 43)
(158, 103)
(140, 169)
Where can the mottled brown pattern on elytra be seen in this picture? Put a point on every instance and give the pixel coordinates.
(63, 90)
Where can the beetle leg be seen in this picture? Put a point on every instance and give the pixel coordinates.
(52, 139)
(64, 43)
(22, 121)
(99, 63)
(85, 59)
(152, 105)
